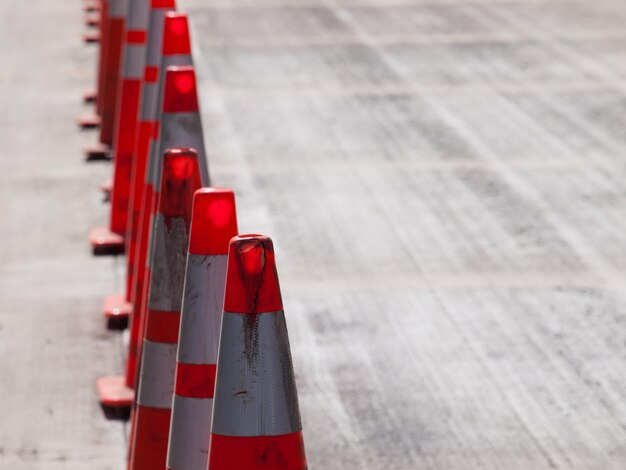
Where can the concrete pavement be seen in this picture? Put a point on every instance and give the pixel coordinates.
(444, 184)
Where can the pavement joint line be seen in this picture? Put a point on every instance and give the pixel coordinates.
(496, 37)
(401, 90)
(425, 162)
(461, 281)
(516, 182)
(590, 127)
(373, 4)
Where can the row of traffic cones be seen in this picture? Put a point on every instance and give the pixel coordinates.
(209, 380)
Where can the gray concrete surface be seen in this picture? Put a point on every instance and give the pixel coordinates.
(444, 183)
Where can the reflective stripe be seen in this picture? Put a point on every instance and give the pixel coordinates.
(255, 391)
(134, 61)
(155, 39)
(202, 309)
(138, 14)
(117, 8)
(189, 434)
(167, 264)
(178, 130)
(156, 382)
(149, 100)
(257, 453)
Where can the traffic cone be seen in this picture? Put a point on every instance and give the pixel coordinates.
(115, 392)
(91, 6)
(94, 6)
(115, 24)
(146, 127)
(151, 419)
(181, 127)
(214, 223)
(91, 37)
(110, 240)
(256, 418)
(112, 32)
(90, 96)
(93, 20)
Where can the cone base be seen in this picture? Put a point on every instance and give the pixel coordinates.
(115, 397)
(116, 310)
(90, 96)
(105, 242)
(91, 6)
(92, 20)
(107, 188)
(91, 37)
(97, 152)
(89, 121)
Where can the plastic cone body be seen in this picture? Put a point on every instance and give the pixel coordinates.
(256, 417)
(120, 393)
(151, 420)
(111, 47)
(102, 55)
(146, 127)
(180, 127)
(127, 111)
(213, 225)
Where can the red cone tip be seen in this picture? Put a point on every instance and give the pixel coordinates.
(214, 221)
(251, 279)
(163, 4)
(180, 94)
(176, 34)
(181, 178)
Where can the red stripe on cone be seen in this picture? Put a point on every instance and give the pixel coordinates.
(152, 427)
(285, 452)
(108, 92)
(124, 146)
(195, 380)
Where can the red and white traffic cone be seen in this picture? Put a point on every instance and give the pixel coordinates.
(91, 96)
(113, 54)
(115, 392)
(91, 6)
(93, 20)
(112, 31)
(151, 420)
(110, 240)
(184, 132)
(146, 128)
(256, 417)
(94, 7)
(102, 50)
(214, 223)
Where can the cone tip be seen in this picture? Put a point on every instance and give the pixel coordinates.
(180, 94)
(163, 3)
(176, 34)
(181, 177)
(252, 280)
(214, 221)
